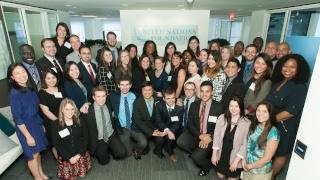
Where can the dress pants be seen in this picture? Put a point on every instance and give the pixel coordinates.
(184, 140)
(114, 145)
(139, 141)
(202, 156)
(158, 143)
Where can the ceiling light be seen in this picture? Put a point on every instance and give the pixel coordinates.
(101, 18)
(190, 1)
(149, 9)
(183, 9)
(181, 5)
(68, 5)
(124, 5)
(239, 10)
(89, 16)
(74, 15)
(72, 12)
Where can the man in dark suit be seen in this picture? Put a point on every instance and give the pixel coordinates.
(112, 45)
(238, 50)
(122, 104)
(169, 118)
(100, 124)
(234, 86)
(144, 117)
(246, 66)
(190, 96)
(49, 61)
(87, 69)
(202, 119)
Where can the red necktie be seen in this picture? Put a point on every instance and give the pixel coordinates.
(91, 74)
(203, 110)
(57, 67)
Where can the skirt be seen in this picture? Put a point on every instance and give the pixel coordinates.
(66, 170)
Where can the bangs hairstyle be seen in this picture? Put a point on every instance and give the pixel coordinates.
(146, 72)
(99, 88)
(212, 73)
(198, 64)
(44, 75)
(103, 63)
(67, 30)
(229, 48)
(182, 63)
(166, 55)
(207, 51)
(168, 91)
(119, 63)
(66, 73)
(13, 83)
(303, 69)
(159, 58)
(155, 52)
(128, 48)
(265, 75)
(235, 60)
(75, 116)
(198, 49)
(272, 121)
(228, 115)
(124, 78)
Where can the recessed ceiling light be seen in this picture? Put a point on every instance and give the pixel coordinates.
(72, 12)
(183, 9)
(259, 6)
(89, 16)
(181, 5)
(68, 5)
(74, 15)
(74, 7)
(149, 9)
(239, 10)
(124, 5)
(101, 18)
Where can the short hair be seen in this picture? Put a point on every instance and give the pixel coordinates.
(258, 38)
(124, 78)
(168, 91)
(84, 46)
(206, 83)
(146, 83)
(111, 32)
(44, 75)
(160, 58)
(190, 83)
(235, 60)
(73, 35)
(44, 40)
(24, 45)
(240, 43)
(272, 41)
(99, 88)
(252, 45)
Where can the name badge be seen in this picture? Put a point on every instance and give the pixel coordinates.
(252, 86)
(169, 78)
(212, 119)
(67, 44)
(174, 118)
(58, 95)
(64, 133)
(109, 75)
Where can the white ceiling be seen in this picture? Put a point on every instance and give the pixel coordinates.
(218, 8)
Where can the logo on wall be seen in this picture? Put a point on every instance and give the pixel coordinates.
(161, 35)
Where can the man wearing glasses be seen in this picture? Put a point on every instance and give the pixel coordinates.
(246, 66)
(112, 45)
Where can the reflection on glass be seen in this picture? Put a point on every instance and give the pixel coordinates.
(15, 29)
(224, 32)
(298, 24)
(4, 54)
(275, 27)
(36, 31)
(52, 21)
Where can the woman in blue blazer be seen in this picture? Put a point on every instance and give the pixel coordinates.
(159, 77)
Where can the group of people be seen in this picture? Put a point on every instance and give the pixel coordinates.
(226, 110)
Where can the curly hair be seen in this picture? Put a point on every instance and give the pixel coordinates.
(61, 115)
(303, 69)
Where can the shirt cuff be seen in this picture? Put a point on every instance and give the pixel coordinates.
(250, 109)
(239, 156)
(166, 129)
(217, 148)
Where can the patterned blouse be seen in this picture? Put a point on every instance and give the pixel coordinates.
(106, 79)
(84, 90)
(253, 151)
(217, 83)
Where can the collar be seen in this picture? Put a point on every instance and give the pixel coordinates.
(97, 107)
(209, 102)
(172, 107)
(50, 59)
(84, 63)
(28, 65)
(232, 78)
(190, 99)
(149, 100)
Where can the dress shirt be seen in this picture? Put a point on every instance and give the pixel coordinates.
(172, 108)
(98, 115)
(228, 82)
(115, 52)
(239, 58)
(34, 68)
(122, 110)
(51, 60)
(191, 100)
(86, 65)
(244, 70)
(206, 114)
(152, 101)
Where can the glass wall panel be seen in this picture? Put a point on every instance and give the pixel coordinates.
(224, 31)
(52, 21)
(5, 60)
(235, 36)
(275, 27)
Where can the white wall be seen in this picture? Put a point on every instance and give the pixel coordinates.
(164, 17)
(258, 26)
(246, 31)
(64, 17)
(308, 133)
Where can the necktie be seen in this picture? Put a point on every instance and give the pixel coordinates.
(35, 78)
(91, 74)
(226, 86)
(114, 57)
(185, 119)
(104, 125)
(149, 108)
(169, 109)
(57, 67)
(246, 72)
(126, 105)
(203, 110)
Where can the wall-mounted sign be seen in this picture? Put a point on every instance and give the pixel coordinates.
(161, 35)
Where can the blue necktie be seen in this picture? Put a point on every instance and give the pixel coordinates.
(149, 108)
(169, 109)
(126, 105)
(185, 115)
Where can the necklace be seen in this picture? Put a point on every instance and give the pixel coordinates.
(158, 74)
(234, 124)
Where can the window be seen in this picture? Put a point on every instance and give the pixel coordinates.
(78, 27)
(235, 34)
(114, 26)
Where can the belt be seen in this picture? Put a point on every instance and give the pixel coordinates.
(124, 127)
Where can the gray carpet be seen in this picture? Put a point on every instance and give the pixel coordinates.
(151, 167)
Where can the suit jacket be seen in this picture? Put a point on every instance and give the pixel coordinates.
(98, 55)
(162, 83)
(91, 122)
(182, 97)
(114, 98)
(87, 77)
(142, 117)
(235, 88)
(239, 141)
(44, 64)
(216, 109)
(76, 94)
(243, 64)
(163, 118)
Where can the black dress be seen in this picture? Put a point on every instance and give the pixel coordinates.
(174, 81)
(62, 51)
(224, 162)
(53, 104)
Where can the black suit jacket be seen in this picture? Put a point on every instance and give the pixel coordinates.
(142, 117)
(98, 55)
(243, 64)
(236, 88)
(216, 109)
(91, 123)
(164, 120)
(44, 64)
(87, 77)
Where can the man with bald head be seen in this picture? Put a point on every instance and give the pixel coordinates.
(283, 49)
(271, 49)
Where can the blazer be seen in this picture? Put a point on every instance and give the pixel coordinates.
(239, 141)
(235, 88)
(98, 55)
(162, 83)
(216, 109)
(114, 99)
(91, 122)
(137, 79)
(182, 97)
(242, 65)
(87, 77)
(44, 64)
(76, 94)
(250, 100)
(163, 118)
(141, 115)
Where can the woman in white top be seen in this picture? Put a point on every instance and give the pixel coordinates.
(169, 50)
(226, 54)
(214, 73)
(194, 71)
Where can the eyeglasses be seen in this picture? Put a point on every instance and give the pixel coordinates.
(189, 89)
(86, 53)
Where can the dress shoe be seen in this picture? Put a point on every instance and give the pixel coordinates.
(160, 156)
(189, 156)
(173, 158)
(202, 172)
(136, 156)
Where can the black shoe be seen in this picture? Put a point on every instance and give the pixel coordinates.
(116, 158)
(202, 172)
(190, 156)
(160, 156)
(136, 156)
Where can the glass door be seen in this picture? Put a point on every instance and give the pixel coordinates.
(275, 27)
